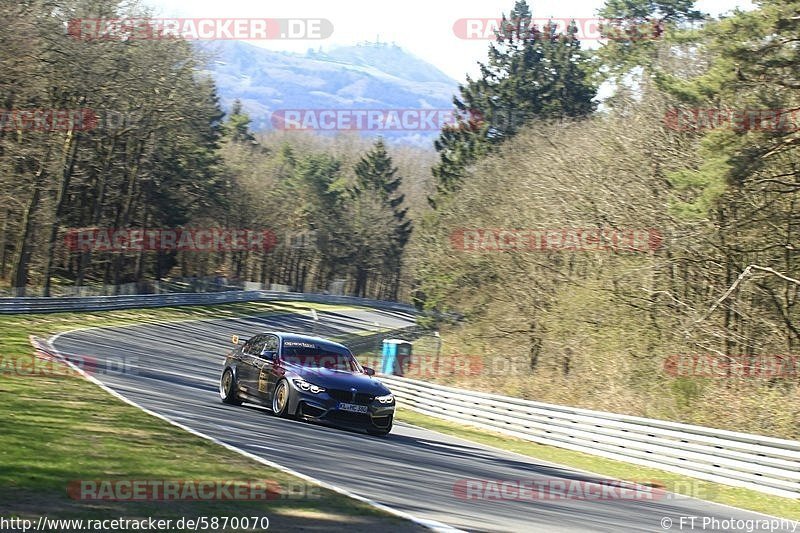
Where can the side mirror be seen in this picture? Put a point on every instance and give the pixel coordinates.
(235, 339)
(369, 371)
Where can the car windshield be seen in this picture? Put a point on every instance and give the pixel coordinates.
(312, 355)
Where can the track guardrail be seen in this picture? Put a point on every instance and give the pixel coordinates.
(105, 303)
(766, 464)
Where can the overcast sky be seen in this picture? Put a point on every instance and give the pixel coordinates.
(422, 27)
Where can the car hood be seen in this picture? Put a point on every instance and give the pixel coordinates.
(340, 379)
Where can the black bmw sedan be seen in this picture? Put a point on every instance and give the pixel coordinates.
(306, 377)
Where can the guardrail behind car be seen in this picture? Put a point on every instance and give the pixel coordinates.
(372, 342)
(104, 303)
(765, 464)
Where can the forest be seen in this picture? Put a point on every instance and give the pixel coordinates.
(698, 142)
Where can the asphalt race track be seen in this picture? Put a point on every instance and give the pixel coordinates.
(173, 369)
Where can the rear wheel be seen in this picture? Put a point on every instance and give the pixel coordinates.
(228, 388)
(280, 399)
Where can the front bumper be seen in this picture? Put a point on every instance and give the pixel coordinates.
(323, 407)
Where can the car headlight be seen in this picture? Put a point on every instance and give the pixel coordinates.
(389, 398)
(309, 387)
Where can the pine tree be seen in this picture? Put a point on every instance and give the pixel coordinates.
(635, 29)
(532, 74)
(752, 72)
(376, 171)
(376, 174)
(238, 125)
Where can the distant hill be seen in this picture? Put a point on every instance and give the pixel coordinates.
(365, 76)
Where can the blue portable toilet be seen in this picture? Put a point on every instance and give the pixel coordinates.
(396, 356)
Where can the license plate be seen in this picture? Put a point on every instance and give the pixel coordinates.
(353, 408)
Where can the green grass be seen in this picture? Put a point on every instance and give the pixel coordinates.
(706, 490)
(59, 429)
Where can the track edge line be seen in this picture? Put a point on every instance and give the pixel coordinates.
(429, 524)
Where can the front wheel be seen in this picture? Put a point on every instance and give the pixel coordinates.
(228, 387)
(379, 432)
(280, 399)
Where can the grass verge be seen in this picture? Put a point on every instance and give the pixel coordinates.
(706, 490)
